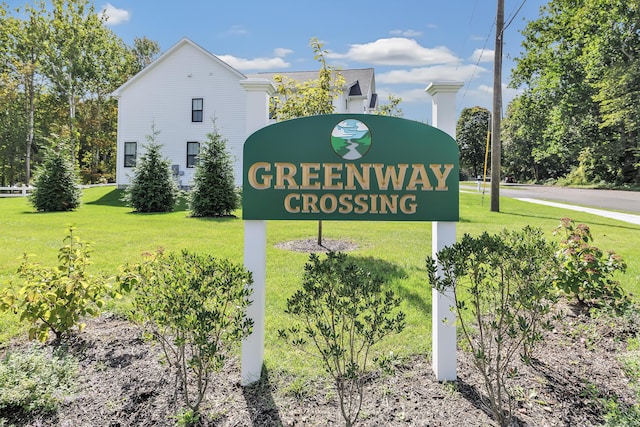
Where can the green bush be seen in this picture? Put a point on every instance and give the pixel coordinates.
(503, 289)
(33, 382)
(341, 311)
(194, 306)
(55, 299)
(214, 193)
(56, 185)
(585, 271)
(152, 188)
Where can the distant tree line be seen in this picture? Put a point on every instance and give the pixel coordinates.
(59, 63)
(578, 117)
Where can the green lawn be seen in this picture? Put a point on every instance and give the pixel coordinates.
(120, 236)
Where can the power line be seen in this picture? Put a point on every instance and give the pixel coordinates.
(514, 16)
(486, 40)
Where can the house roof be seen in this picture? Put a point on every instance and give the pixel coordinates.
(362, 79)
(167, 54)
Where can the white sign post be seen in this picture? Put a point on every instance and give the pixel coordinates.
(444, 342)
(255, 260)
(260, 183)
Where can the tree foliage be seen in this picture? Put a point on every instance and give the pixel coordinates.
(152, 187)
(310, 98)
(214, 192)
(471, 134)
(58, 65)
(391, 108)
(580, 106)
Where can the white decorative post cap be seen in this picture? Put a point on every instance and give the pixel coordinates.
(443, 86)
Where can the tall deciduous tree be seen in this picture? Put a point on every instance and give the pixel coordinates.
(25, 40)
(471, 133)
(391, 108)
(145, 51)
(582, 58)
(58, 65)
(81, 51)
(310, 98)
(313, 97)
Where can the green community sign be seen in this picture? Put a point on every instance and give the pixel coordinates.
(351, 167)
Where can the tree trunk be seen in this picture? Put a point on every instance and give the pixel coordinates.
(31, 107)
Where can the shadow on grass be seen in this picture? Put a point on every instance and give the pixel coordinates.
(114, 198)
(386, 270)
(389, 272)
(260, 403)
(416, 300)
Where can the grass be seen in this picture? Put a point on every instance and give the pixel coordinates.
(119, 236)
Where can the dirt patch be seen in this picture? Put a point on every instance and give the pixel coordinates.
(311, 245)
(122, 383)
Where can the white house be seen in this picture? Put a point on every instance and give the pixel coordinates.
(181, 92)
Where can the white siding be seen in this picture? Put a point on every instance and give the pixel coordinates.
(163, 97)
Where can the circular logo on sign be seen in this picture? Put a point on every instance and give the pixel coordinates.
(351, 139)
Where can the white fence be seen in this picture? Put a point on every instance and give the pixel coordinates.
(16, 191)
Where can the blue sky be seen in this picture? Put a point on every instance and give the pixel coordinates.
(409, 43)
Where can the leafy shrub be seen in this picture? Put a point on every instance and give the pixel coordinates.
(194, 306)
(152, 187)
(585, 272)
(503, 290)
(342, 311)
(55, 299)
(56, 184)
(214, 192)
(33, 382)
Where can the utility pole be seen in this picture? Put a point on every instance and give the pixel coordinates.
(497, 111)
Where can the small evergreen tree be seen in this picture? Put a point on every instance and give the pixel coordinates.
(152, 188)
(214, 192)
(56, 184)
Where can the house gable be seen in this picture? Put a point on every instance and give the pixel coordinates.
(168, 54)
(163, 95)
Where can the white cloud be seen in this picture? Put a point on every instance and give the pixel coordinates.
(237, 30)
(396, 51)
(406, 33)
(114, 15)
(480, 55)
(255, 64)
(407, 96)
(281, 52)
(485, 92)
(426, 75)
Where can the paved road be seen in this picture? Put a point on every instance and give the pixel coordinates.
(628, 201)
(598, 202)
